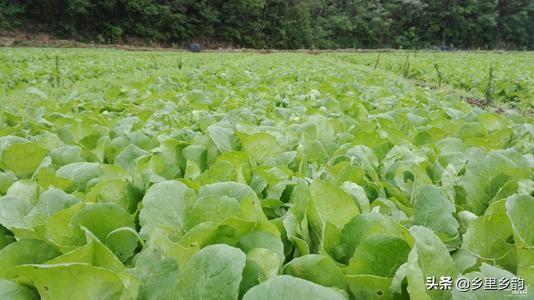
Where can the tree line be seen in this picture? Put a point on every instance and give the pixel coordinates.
(285, 24)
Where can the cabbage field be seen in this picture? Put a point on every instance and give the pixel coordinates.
(511, 81)
(169, 175)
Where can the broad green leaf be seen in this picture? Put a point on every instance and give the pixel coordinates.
(219, 171)
(123, 242)
(10, 290)
(223, 137)
(486, 174)
(490, 121)
(6, 179)
(329, 203)
(25, 252)
(157, 274)
(213, 209)
(126, 158)
(117, 191)
(47, 178)
(93, 253)
(195, 156)
(345, 171)
(434, 210)
(488, 237)
(49, 203)
(24, 190)
(429, 257)
(285, 287)
(233, 190)
(260, 146)
(213, 273)
(261, 264)
(160, 243)
(464, 260)
(166, 205)
(366, 225)
(451, 151)
(22, 159)
(12, 212)
(248, 200)
(8, 140)
(318, 269)
(90, 218)
(66, 155)
(260, 239)
(80, 173)
(379, 255)
(357, 193)
(69, 281)
(59, 230)
(369, 287)
(519, 209)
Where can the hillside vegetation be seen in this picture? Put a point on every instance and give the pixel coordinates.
(280, 24)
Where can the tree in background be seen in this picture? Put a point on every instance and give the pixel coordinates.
(287, 24)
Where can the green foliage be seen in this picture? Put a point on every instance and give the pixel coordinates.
(288, 287)
(213, 273)
(282, 24)
(466, 71)
(167, 175)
